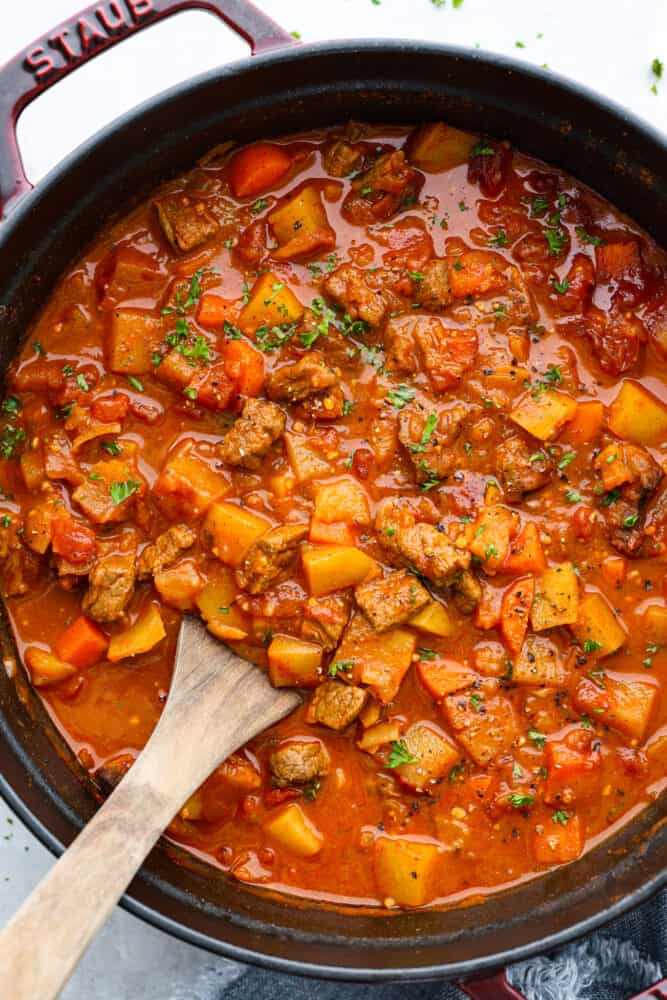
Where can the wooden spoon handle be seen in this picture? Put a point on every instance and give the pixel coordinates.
(206, 718)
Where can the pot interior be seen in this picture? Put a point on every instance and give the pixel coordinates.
(316, 86)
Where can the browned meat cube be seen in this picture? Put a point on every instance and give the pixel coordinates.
(165, 550)
(444, 354)
(187, 224)
(625, 517)
(392, 600)
(325, 618)
(429, 438)
(301, 379)
(399, 344)
(485, 725)
(298, 762)
(250, 439)
(328, 405)
(111, 586)
(335, 705)
(19, 567)
(522, 469)
(389, 184)
(348, 286)
(113, 771)
(431, 291)
(271, 558)
(434, 756)
(341, 158)
(421, 546)
(59, 461)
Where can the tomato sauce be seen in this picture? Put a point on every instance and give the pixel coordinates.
(399, 398)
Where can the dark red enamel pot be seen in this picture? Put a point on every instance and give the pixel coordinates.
(289, 87)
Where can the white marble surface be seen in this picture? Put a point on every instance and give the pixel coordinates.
(607, 44)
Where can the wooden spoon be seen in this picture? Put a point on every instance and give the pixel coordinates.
(217, 702)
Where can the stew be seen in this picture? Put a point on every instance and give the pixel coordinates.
(388, 409)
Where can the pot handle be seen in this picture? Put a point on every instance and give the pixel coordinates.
(493, 988)
(79, 39)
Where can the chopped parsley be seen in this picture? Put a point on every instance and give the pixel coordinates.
(482, 149)
(182, 305)
(310, 791)
(560, 286)
(135, 383)
(539, 739)
(457, 772)
(427, 433)
(556, 240)
(560, 816)
(475, 701)
(573, 496)
(259, 206)
(82, 383)
(427, 654)
(586, 237)
(10, 439)
(122, 491)
(112, 448)
(269, 339)
(400, 396)
(538, 207)
(566, 459)
(499, 240)
(38, 347)
(11, 405)
(338, 665)
(630, 521)
(518, 801)
(400, 754)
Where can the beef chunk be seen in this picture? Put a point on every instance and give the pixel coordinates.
(19, 567)
(250, 439)
(341, 158)
(337, 348)
(59, 461)
(187, 224)
(111, 586)
(422, 547)
(389, 184)
(399, 345)
(625, 506)
(348, 286)
(432, 290)
(271, 558)
(392, 600)
(429, 439)
(445, 354)
(327, 405)
(325, 618)
(165, 550)
(298, 762)
(521, 468)
(335, 705)
(304, 378)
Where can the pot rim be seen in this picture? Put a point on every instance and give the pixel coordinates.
(442, 970)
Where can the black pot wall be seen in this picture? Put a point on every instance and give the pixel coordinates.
(306, 88)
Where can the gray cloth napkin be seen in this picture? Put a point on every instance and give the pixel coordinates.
(614, 964)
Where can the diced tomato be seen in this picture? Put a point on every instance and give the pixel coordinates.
(491, 167)
(244, 365)
(362, 462)
(71, 539)
(257, 168)
(251, 244)
(82, 644)
(109, 409)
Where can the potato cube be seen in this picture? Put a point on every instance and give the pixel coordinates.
(655, 624)
(216, 600)
(436, 147)
(637, 415)
(435, 755)
(597, 629)
(135, 335)
(484, 734)
(305, 461)
(539, 664)
(187, 485)
(624, 705)
(293, 830)
(45, 668)
(405, 869)
(343, 500)
(147, 632)
(544, 413)
(179, 584)
(379, 735)
(271, 303)
(333, 567)
(232, 530)
(435, 620)
(294, 662)
(556, 600)
(301, 226)
(556, 843)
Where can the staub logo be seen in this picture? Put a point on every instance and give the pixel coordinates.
(74, 41)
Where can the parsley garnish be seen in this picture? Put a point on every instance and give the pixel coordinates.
(400, 396)
(10, 440)
(427, 434)
(586, 237)
(573, 496)
(400, 754)
(482, 149)
(345, 665)
(82, 383)
(518, 801)
(112, 447)
(560, 286)
(538, 207)
(556, 240)
(135, 383)
(11, 405)
(499, 240)
(630, 521)
(122, 491)
(566, 459)
(427, 654)
(539, 739)
(259, 206)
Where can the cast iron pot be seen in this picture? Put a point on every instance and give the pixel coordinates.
(285, 88)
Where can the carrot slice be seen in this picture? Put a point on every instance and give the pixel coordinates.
(526, 554)
(514, 612)
(257, 168)
(82, 644)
